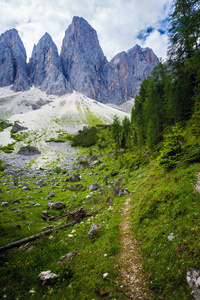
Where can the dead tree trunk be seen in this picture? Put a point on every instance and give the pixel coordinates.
(33, 237)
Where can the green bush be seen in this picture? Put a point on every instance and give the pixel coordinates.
(2, 167)
(7, 149)
(85, 138)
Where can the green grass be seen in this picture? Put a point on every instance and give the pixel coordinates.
(167, 203)
(163, 202)
(19, 269)
(7, 149)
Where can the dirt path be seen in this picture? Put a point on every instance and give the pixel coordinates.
(197, 187)
(129, 260)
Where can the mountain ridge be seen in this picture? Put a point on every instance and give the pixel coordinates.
(81, 65)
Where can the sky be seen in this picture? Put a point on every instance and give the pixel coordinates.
(120, 24)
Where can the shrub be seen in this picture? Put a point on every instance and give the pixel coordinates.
(85, 138)
(172, 149)
(2, 167)
(7, 149)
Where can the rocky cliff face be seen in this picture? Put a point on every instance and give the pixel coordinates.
(81, 65)
(125, 73)
(82, 58)
(45, 68)
(13, 68)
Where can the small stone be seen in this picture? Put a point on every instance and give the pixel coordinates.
(93, 187)
(105, 275)
(14, 201)
(93, 231)
(26, 187)
(171, 237)
(47, 277)
(56, 205)
(70, 235)
(32, 291)
(51, 194)
(4, 204)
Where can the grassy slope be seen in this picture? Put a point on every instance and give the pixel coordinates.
(162, 203)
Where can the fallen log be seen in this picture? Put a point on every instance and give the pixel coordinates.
(34, 237)
(38, 235)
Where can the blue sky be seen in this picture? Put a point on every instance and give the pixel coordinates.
(120, 24)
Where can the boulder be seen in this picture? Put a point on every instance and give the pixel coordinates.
(93, 187)
(26, 187)
(73, 178)
(51, 194)
(28, 150)
(47, 278)
(94, 231)
(41, 183)
(56, 205)
(17, 128)
(193, 279)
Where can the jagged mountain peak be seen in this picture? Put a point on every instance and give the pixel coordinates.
(45, 68)
(81, 65)
(13, 68)
(82, 58)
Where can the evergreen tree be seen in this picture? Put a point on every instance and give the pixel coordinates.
(185, 43)
(116, 131)
(126, 124)
(185, 30)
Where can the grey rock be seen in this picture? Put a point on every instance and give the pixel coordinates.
(73, 178)
(56, 205)
(16, 201)
(17, 128)
(93, 187)
(83, 59)
(93, 231)
(123, 191)
(41, 183)
(28, 150)
(26, 187)
(47, 278)
(66, 257)
(45, 68)
(193, 279)
(4, 204)
(13, 67)
(95, 163)
(35, 106)
(45, 216)
(171, 237)
(51, 194)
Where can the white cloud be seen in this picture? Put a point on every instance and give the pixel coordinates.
(158, 42)
(117, 22)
